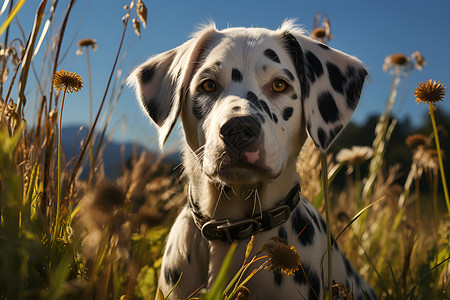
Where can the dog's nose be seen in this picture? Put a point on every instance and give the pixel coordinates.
(239, 133)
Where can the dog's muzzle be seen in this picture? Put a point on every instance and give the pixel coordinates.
(240, 136)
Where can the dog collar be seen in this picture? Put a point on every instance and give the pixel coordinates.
(234, 230)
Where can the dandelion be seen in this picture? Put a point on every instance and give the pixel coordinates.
(432, 92)
(419, 61)
(283, 258)
(67, 82)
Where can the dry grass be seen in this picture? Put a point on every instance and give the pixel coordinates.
(107, 242)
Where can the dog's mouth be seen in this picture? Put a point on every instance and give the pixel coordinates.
(249, 168)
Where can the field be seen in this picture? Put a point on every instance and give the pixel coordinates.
(63, 236)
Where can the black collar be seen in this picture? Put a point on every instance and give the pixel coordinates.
(232, 230)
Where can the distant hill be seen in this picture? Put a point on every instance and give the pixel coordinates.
(73, 135)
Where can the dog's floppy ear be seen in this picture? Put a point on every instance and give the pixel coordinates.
(331, 83)
(161, 81)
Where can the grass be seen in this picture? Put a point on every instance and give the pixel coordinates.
(107, 242)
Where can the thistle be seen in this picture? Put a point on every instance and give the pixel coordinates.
(432, 92)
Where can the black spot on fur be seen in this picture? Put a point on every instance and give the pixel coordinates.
(189, 257)
(323, 46)
(153, 111)
(147, 74)
(251, 97)
(287, 113)
(337, 79)
(313, 218)
(323, 225)
(360, 297)
(323, 139)
(278, 278)
(264, 68)
(171, 276)
(314, 66)
(197, 110)
(312, 280)
(169, 249)
(282, 232)
(236, 108)
(327, 107)
(236, 75)
(294, 96)
(265, 107)
(296, 53)
(261, 117)
(335, 131)
(270, 54)
(300, 224)
(274, 118)
(289, 74)
(203, 104)
(354, 87)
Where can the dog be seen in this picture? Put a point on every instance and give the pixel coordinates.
(248, 98)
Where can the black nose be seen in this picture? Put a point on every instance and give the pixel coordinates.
(239, 133)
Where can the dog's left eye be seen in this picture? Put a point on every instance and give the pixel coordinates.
(209, 86)
(279, 86)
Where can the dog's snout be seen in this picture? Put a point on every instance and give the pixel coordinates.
(239, 133)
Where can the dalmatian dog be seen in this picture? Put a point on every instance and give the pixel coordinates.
(248, 98)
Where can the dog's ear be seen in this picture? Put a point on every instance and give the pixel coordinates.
(161, 82)
(331, 83)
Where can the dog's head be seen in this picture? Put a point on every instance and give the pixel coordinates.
(247, 97)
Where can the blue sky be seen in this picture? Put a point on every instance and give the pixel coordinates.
(369, 30)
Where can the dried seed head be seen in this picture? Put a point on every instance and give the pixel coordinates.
(355, 156)
(318, 33)
(429, 92)
(416, 140)
(419, 61)
(67, 80)
(87, 43)
(282, 257)
(141, 12)
(137, 27)
(243, 293)
(396, 60)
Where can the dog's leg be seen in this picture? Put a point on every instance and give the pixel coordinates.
(186, 256)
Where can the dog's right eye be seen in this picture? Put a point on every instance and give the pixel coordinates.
(209, 86)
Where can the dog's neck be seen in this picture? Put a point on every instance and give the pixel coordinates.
(217, 201)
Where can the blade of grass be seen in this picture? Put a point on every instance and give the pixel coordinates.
(28, 56)
(11, 15)
(5, 4)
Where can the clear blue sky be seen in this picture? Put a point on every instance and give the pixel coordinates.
(370, 30)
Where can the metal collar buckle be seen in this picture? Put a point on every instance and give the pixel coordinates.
(227, 231)
(276, 217)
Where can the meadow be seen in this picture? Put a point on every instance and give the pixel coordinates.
(63, 236)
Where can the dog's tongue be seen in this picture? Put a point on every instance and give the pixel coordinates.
(252, 157)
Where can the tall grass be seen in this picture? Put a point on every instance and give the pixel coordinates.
(107, 242)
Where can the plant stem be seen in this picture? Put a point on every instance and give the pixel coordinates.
(328, 219)
(441, 164)
(58, 199)
(91, 145)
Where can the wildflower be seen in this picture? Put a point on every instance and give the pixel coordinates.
(282, 257)
(355, 156)
(419, 61)
(396, 60)
(87, 43)
(429, 92)
(68, 81)
(416, 140)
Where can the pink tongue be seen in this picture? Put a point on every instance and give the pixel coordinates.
(252, 157)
